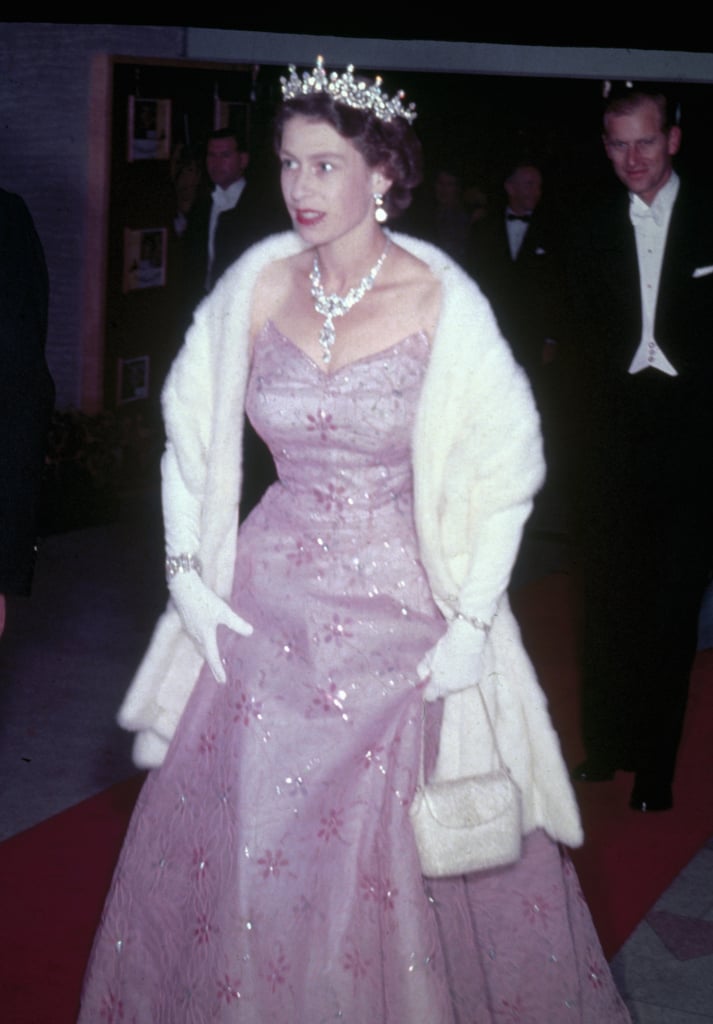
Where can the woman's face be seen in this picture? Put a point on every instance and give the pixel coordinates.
(326, 183)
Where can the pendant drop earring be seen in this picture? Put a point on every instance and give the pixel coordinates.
(380, 214)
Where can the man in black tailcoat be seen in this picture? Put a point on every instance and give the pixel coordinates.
(26, 393)
(514, 255)
(642, 292)
(238, 213)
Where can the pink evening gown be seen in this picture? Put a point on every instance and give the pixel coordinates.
(269, 873)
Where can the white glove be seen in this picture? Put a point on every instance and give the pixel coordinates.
(202, 611)
(456, 661)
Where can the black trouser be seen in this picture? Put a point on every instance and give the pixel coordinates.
(646, 520)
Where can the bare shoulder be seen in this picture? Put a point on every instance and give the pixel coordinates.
(417, 288)
(273, 286)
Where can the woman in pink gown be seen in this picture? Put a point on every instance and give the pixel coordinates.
(270, 872)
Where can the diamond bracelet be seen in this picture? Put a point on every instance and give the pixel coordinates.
(473, 621)
(182, 563)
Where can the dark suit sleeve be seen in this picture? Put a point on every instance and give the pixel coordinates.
(260, 212)
(526, 293)
(26, 390)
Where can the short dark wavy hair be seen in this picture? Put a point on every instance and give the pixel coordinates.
(392, 146)
(628, 98)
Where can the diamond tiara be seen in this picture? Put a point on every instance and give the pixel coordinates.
(348, 90)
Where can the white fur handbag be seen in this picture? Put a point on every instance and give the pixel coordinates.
(468, 824)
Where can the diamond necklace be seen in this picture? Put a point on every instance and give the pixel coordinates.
(333, 305)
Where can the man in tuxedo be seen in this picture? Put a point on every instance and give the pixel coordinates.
(237, 214)
(642, 291)
(26, 393)
(514, 256)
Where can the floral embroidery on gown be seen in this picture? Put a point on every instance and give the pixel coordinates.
(269, 873)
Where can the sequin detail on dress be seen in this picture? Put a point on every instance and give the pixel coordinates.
(269, 874)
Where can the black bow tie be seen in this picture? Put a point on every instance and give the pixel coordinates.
(519, 216)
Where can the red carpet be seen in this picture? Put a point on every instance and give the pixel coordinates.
(628, 859)
(53, 881)
(54, 876)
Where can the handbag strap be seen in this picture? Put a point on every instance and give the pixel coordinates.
(421, 766)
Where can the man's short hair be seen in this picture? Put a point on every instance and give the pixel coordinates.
(241, 143)
(517, 161)
(627, 97)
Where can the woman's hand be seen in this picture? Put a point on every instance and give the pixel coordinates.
(201, 612)
(456, 661)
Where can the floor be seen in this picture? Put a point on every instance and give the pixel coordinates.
(64, 665)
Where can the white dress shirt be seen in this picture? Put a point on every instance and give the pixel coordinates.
(651, 228)
(516, 229)
(223, 199)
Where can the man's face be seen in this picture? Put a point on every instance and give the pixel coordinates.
(224, 162)
(524, 189)
(641, 152)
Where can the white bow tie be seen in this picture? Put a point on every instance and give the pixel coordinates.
(639, 211)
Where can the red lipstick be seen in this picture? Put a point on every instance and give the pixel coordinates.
(308, 217)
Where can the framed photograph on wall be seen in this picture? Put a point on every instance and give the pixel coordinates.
(144, 258)
(132, 379)
(149, 131)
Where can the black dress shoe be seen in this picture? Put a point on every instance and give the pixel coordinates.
(651, 796)
(593, 770)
